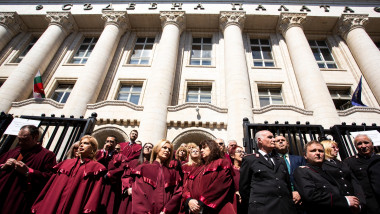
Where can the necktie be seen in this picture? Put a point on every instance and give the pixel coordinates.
(287, 162)
(269, 160)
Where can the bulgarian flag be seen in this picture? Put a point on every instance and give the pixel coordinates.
(38, 88)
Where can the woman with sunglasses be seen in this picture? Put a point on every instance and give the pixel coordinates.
(193, 163)
(237, 153)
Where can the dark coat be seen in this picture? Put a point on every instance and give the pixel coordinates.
(265, 189)
(359, 165)
(374, 177)
(295, 162)
(319, 191)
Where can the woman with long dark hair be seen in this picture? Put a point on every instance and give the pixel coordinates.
(209, 188)
(127, 179)
(157, 187)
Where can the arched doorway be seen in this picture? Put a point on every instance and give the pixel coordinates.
(195, 136)
(102, 133)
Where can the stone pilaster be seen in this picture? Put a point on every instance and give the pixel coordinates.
(19, 83)
(313, 88)
(10, 25)
(88, 86)
(160, 84)
(352, 29)
(238, 90)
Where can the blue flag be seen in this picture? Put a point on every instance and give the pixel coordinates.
(356, 99)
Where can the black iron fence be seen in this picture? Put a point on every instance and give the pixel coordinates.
(58, 133)
(299, 134)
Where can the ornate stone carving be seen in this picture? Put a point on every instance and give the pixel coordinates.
(199, 105)
(228, 18)
(118, 18)
(177, 18)
(12, 21)
(348, 22)
(63, 19)
(288, 20)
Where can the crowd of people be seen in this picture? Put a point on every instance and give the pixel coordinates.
(212, 177)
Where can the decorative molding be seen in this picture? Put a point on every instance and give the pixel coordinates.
(358, 109)
(348, 22)
(282, 107)
(115, 103)
(288, 20)
(228, 18)
(184, 135)
(204, 124)
(63, 19)
(122, 122)
(117, 18)
(176, 18)
(38, 101)
(12, 21)
(195, 105)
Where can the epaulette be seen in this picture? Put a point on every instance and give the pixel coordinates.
(257, 155)
(303, 167)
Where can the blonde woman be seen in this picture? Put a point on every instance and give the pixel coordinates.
(194, 162)
(77, 184)
(157, 187)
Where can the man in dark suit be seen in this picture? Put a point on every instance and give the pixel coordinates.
(318, 190)
(292, 162)
(359, 165)
(264, 180)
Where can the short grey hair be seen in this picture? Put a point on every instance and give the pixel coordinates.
(362, 135)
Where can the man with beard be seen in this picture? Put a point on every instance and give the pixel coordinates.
(131, 150)
(359, 165)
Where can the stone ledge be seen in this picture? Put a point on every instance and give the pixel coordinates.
(115, 103)
(204, 124)
(357, 109)
(38, 101)
(123, 122)
(194, 105)
(282, 107)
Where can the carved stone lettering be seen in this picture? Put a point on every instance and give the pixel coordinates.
(108, 7)
(237, 4)
(305, 8)
(87, 6)
(131, 6)
(348, 9)
(39, 7)
(67, 7)
(261, 7)
(199, 6)
(177, 5)
(153, 6)
(326, 7)
(283, 7)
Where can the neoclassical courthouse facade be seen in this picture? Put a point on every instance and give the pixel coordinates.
(186, 70)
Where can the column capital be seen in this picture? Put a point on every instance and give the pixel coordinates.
(117, 18)
(12, 21)
(173, 17)
(228, 18)
(348, 22)
(288, 20)
(63, 19)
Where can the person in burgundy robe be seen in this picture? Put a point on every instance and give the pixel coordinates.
(105, 155)
(24, 172)
(76, 186)
(237, 153)
(193, 163)
(127, 179)
(210, 188)
(131, 150)
(157, 187)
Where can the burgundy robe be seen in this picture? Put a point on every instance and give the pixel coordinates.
(187, 169)
(17, 192)
(156, 189)
(111, 192)
(212, 186)
(130, 151)
(127, 180)
(104, 157)
(236, 176)
(75, 188)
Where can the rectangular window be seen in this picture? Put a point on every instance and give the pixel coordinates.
(84, 51)
(130, 93)
(142, 51)
(199, 94)
(322, 54)
(25, 51)
(62, 93)
(270, 96)
(261, 53)
(341, 98)
(201, 51)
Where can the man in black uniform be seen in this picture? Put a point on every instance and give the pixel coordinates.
(318, 190)
(359, 165)
(264, 180)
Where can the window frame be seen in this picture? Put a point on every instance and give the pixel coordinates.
(26, 45)
(318, 47)
(341, 98)
(132, 84)
(78, 46)
(260, 45)
(270, 96)
(131, 47)
(201, 44)
(64, 92)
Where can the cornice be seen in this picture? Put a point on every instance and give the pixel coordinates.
(282, 107)
(122, 122)
(195, 105)
(38, 101)
(204, 124)
(115, 103)
(358, 109)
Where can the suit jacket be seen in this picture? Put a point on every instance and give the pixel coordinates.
(295, 162)
(359, 165)
(374, 177)
(263, 188)
(319, 191)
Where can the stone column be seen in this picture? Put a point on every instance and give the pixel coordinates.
(160, 84)
(10, 26)
(19, 84)
(238, 90)
(89, 83)
(313, 88)
(364, 50)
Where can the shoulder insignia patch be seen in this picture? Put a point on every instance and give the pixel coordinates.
(257, 155)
